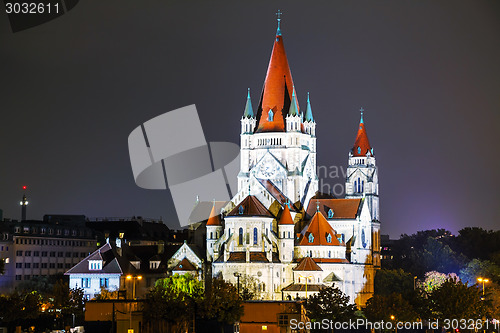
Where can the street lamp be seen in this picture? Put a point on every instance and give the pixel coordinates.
(238, 275)
(483, 281)
(307, 278)
(134, 278)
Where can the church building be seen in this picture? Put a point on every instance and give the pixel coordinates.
(279, 236)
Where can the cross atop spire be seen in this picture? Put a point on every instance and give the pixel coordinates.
(278, 15)
(361, 110)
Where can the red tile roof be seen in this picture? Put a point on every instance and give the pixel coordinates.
(361, 142)
(184, 265)
(214, 218)
(320, 229)
(286, 217)
(307, 264)
(277, 91)
(330, 260)
(251, 207)
(304, 287)
(342, 208)
(254, 257)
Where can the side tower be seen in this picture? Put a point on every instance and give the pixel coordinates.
(362, 174)
(214, 232)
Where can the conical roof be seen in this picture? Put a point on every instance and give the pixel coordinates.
(248, 107)
(308, 116)
(286, 217)
(277, 91)
(361, 145)
(214, 218)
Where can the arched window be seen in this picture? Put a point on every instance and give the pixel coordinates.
(241, 210)
(311, 238)
(355, 186)
(289, 234)
(254, 236)
(328, 238)
(329, 254)
(270, 115)
(362, 186)
(211, 235)
(310, 253)
(359, 185)
(240, 238)
(359, 150)
(330, 214)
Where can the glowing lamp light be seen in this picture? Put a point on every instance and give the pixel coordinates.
(129, 277)
(139, 277)
(392, 317)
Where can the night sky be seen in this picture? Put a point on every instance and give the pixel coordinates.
(426, 72)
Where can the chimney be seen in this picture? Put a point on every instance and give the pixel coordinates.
(161, 247)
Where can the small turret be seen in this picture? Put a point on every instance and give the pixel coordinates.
(309, 123)
(214, 232)
(285, 233)
(293, 121)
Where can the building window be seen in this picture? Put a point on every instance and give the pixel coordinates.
(36, 253)
(42, 231)
(270, 115)
(329, 254)
(27, 265)
(68, 254)
(19, 253)
(60, 254)
(44, 253)
(67, 265)
(36, 265)
(311, 238)
(27, 254)
(19, 265)
(44, 265)
(241, 210)
(362, 186)
(18, 277)
(52, 265)
(26, 230)
(330, 214)
(254, 236)
(240, 238)
(104, 282)
(85, 283)
(328, 238)
(60, 265)
(359, 150)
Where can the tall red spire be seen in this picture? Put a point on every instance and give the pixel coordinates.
(277, 90)
(361, 145)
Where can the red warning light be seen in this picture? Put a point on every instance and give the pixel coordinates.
(25, 187)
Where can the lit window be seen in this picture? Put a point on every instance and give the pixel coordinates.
(330, 214)
(241, 210)
(270, 115)
(359, 150)
(240, 238)
(328, 238)
(254, 236)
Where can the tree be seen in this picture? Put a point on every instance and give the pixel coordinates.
(389, 281)
(480, 268)
(456, 300)
(172, 300)
(382, 307)
(107, 294)
(221, 302)
(330, 303)
(433, 280)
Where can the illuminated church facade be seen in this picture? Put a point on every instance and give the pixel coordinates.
(278, 235)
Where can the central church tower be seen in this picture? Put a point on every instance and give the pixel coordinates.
(278, 141)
